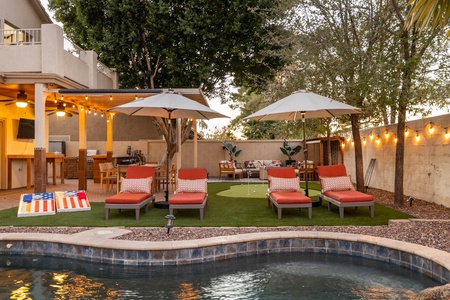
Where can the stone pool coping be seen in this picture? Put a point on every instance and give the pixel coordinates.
(100, 245)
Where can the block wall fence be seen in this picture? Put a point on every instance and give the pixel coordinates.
(427, 158)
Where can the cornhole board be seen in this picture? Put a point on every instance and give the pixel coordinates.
(69, 201)
(38, 204)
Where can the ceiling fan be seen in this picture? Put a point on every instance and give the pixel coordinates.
(20, 101)
(61, 111)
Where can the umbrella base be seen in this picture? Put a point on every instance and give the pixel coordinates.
(316, 203)
(161, 204)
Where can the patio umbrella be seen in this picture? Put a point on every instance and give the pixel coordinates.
(302, 105)
(170, 106)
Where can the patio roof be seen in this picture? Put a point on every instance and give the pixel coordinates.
(104, 99)
(96, 99)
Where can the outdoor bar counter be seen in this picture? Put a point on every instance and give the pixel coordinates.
(52, 158)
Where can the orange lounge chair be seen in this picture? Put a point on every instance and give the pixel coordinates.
(284, 191)
(191, 191)
(135, 192)
(338, 189)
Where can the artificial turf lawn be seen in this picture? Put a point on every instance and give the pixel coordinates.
(229, 204)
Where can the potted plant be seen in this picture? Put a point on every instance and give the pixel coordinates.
(289, 152)
(232, 150)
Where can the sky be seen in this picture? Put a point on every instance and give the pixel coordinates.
(213, 103)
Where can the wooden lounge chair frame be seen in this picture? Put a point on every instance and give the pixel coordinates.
(133, 172)
(285, 173)
(340, 170)
(191, 174)
(224, 169)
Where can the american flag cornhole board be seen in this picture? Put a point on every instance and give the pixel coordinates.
(69, 201)
(39, 204)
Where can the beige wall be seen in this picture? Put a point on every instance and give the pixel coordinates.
(22, 13)
(210, 152)
(427, 161)
(125, 128)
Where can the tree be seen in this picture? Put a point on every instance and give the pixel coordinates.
(179, 43)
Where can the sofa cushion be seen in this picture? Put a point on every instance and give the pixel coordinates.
(188, 198)
(127, 198)
(290, 197)
(349, 196)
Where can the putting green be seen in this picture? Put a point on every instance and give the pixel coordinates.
(253, 190)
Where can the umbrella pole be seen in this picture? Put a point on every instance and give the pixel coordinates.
(165, 204)
(167, 161)
(305, 151)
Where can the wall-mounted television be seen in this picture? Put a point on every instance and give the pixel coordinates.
(26, 129)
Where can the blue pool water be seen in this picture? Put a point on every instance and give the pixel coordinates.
(272, 276)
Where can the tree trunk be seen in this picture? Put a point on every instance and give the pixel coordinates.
(399, 157)
(359, 168)
(165, 125)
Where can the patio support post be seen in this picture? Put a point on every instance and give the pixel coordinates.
(40, 149)
(82, 149)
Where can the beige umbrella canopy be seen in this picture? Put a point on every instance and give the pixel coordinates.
(303, 105)
(170, 106)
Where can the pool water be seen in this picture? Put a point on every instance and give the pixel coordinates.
(271, 276)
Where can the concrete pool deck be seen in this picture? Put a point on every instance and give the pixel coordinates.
(102, 245)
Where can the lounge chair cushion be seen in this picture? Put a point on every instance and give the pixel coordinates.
(339, 183)
(192, 186)
(278, 184)
(289, 197)
(187, 198)
(349, 196)
(127, 198)
(136, 185)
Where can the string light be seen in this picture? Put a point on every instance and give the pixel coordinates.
(378, 139)
(353, 143)
(110, 98)
(431, 127)
(386, 134)
(417, 136)
(343, 145)
(364, 141)
(371, 136)
(446, 134)
(348, 138)
(86, 98)
(406, 131)
(395, 139)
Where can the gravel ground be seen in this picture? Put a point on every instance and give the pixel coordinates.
(431, 228)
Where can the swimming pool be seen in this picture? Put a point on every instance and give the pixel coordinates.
(268, 276)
